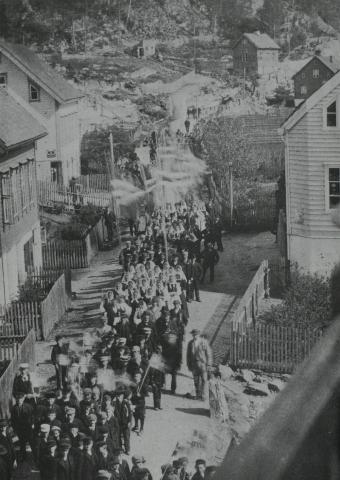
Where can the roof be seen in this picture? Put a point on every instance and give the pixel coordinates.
(331, 65)
(262, 41)
(17, 126)
(40, 72)
(263, 128)
(310, 102)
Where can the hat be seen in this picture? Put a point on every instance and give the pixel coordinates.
(103, 429)
(24, 366)
(183, 460)
(135, 348)
(50, 395)
(4, 422)
(87, 391)
(70, 410)
(122, 341)
(104, 358)
(51, 443)
(103, 475)
(45, 428)
(141, 473)
(88, 440)
(55, 427)
(117, 451)
(115, 461)
(200, 461)
(92, 417)
(65, 444)
(101, 443)
(74, 425)
(195, 331)
(20, 395)
(138, 459)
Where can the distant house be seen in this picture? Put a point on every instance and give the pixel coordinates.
(20, 242)
(312, 140)
(317, 71)
(255, 53)
(52, 101)
(145, 48)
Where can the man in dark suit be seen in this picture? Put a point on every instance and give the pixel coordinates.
(6, 441)
(48, 461)
(65, 463)
(124, 416)
(22, 417)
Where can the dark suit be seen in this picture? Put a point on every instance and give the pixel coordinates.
(22, 421)
(89, 466)
(124, 415)
(48, 467)
(66, 469)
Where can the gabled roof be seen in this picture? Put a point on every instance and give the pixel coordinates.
(262, 41)
(40, 72)
(310, 102)
(17, 126)
(331, 65)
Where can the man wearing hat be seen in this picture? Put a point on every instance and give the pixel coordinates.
(122, 412)
(65, 462)
(104, 458)
(124, 468)
(22, 417)
(200, 467)
(90, 460)
(199, 360)
(22, 382)
(41, 442)
(48, 461)
(58, 354)
(113, 424)
(4, 473)
(77, 454)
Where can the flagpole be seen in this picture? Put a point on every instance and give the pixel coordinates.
(143, 379)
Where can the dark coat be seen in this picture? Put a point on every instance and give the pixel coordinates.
(22, 419)
(78, 460)
(122, 413)
(89, 466)
(114, 432)
(20, 385)
(66, 469)
(48, 467)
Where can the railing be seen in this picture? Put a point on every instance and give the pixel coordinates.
(247, 309)
(9, 346)
(54, 306)
(62, 254)
(54, 193)
(25, 354)
(18, 318)
(97, 182)
(298, 435)
(271, 348)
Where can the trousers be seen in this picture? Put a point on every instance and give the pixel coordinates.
(200, 375)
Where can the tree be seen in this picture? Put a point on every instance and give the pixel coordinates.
(272, 14)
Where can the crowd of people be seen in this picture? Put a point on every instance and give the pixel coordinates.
(81, 429)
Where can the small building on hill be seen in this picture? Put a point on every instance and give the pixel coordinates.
(317, 71)
(52, 102)
(312, 141)
(145, 48)
(255, 54)
(20, 242)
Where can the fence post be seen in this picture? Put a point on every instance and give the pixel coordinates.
(266, 282)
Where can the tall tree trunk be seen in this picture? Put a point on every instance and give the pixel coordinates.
(129, 11)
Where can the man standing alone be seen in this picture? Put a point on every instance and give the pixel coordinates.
(199, 359)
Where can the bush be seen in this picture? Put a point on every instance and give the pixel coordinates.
(307, 302)
(88, 215)
(31, 291)
(74, 231)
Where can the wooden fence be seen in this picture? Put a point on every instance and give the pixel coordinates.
(54, 306)
(18, 318)
(9, 346)
(271, 348)
(54, 193)
(97, 182)
(63, 254)
(24, 354)
(247, 309)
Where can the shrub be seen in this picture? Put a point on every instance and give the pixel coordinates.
(307, 302)
(88, 215)
(74, 231)
(31, 291)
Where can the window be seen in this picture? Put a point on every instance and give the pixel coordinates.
(34, 93)
(331, 115)
(6, 198)
(303, 90)
(316, 73)
(3, 80)
(303, 75)
(333, 187)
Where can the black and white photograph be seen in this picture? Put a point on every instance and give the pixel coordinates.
(169, 240)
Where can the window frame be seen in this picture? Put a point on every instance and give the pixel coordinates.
(303, 87)
(34, 85)
(316, 73)
(328, 166)
(325, 108)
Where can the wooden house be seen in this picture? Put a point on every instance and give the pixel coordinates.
(255, 54)
(312, 165)
(52, 101)
(20, 242)
(317, 71)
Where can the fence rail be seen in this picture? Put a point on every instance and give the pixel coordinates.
(24, 354)
(271, 347)
(55, 193)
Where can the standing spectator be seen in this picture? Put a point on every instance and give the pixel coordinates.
(156, 380)
(124, 416)
(49, 461)
(65, 463)
(199, 360)
(210, 258)
(138, 400)
(6, 441)
(22, 421)
(58, 357)
(200, 467)
(22, 382)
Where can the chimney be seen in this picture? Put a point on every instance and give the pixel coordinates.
(331, 58)
(318, 52)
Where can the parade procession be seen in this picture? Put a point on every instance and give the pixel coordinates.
(82, 427)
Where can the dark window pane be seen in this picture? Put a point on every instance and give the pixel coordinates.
(331, 120)
(334, 174)
(334, 188)
(332, 108)
(334, 201)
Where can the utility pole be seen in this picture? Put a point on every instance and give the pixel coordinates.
(115, 202)
(85, 27)
(231, 193)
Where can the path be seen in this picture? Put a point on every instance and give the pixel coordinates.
(181, 419)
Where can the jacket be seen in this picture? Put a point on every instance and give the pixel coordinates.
(200, 355)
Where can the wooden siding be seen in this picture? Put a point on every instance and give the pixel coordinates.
(240, 66)
(310, 148)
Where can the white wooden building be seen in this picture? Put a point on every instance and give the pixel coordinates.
(312, 157)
